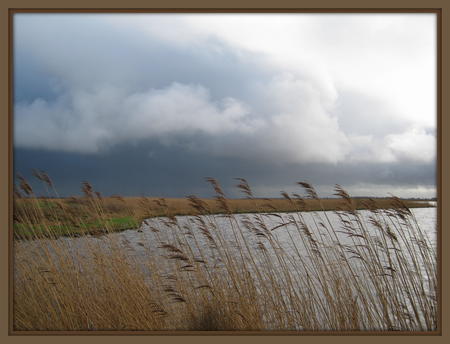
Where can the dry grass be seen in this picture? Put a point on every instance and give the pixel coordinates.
(233, 272)
(93, 214)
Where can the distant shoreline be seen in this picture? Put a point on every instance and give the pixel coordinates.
(102, 215)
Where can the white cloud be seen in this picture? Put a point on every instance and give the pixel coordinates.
(87, 122)
(414, 145)
(300, 126)
(389, 56)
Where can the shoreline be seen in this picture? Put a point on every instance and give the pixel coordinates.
(117, 222)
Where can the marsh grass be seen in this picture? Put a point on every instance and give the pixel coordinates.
(228, 272)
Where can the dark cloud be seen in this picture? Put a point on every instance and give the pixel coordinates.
(149, 168)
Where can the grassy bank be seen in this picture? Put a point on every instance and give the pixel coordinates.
(93, 214)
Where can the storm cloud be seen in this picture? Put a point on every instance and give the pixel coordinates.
(149, 89)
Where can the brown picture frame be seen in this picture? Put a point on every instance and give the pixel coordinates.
(437, 7)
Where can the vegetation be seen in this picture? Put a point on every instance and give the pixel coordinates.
(36, 217)
(300, 271)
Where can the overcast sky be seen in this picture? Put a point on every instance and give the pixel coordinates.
(153, 103)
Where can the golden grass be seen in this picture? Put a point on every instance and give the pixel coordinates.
(182, 206)
(77, 215)
(298, 271)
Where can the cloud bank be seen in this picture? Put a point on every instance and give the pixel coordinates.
(213, 86)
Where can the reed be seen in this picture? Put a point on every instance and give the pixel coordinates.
(306, 270)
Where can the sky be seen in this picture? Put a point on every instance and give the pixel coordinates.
(151, 104)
